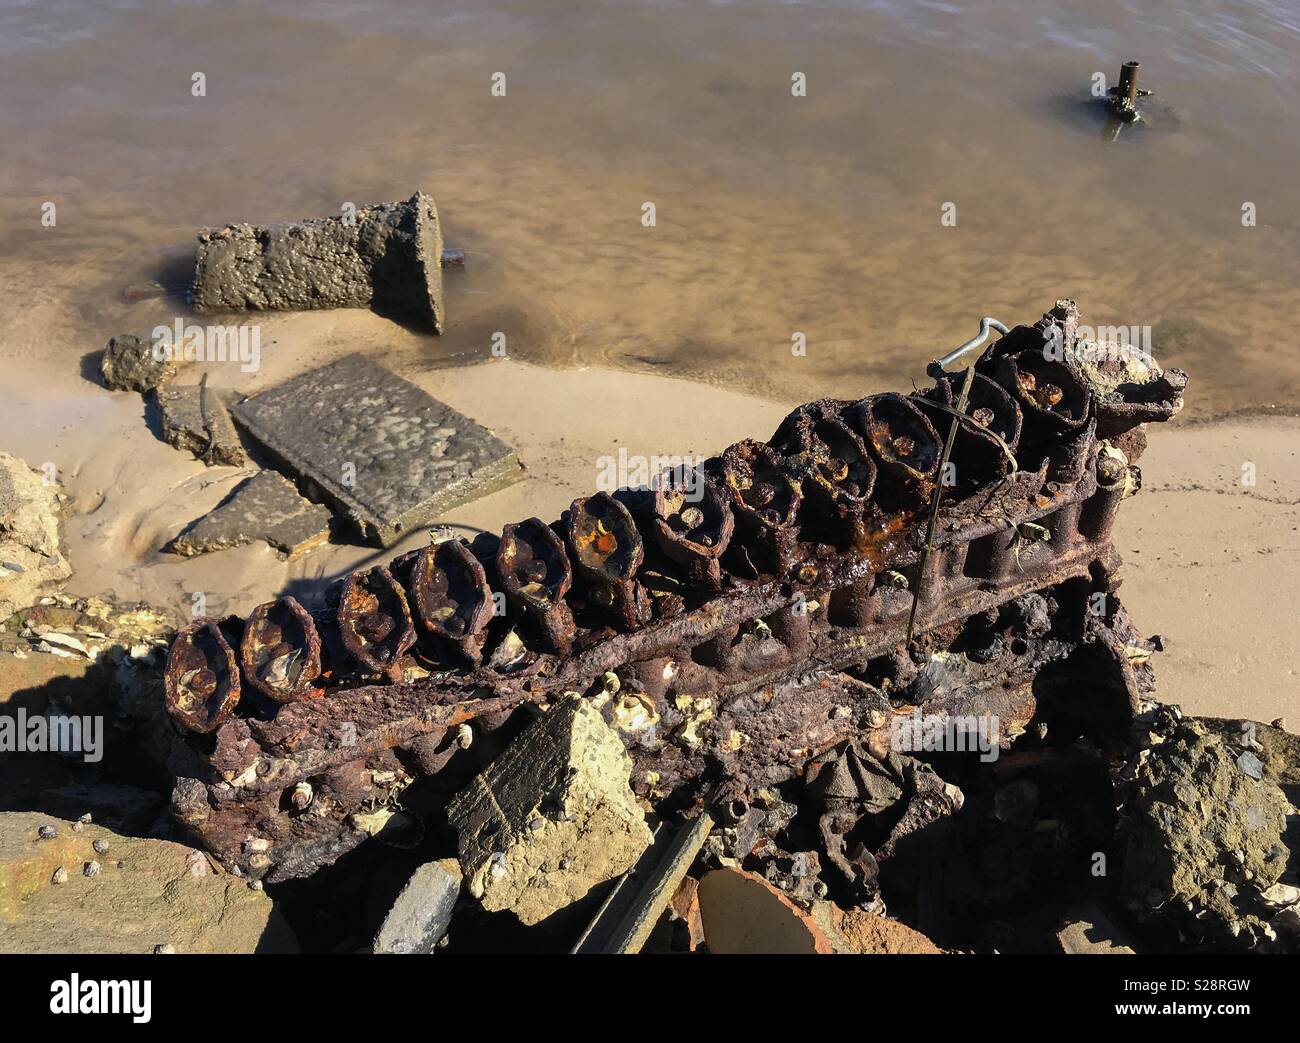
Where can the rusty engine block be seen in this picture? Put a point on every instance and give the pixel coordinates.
(734, 623)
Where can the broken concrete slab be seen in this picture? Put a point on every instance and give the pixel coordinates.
(196, 419)
(386, 454)
(129, 364)
(551, 817)
(144, 893)
(387, 256)
(31, 557)
(421, 913)
(265, 507)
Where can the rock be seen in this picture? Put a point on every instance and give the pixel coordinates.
(551, 817)
(197, 420)
(387, 256)
(382, 452)
(265, 507)
(31, 559)
(422, 911)
(145, 896)
(859, 931)
(1205, 838)
(743, 913)
(129, 365)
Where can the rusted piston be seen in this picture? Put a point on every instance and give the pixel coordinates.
(693, 524)
(608, 551)
(905, 444)
(977, 454)
(766, 500)
(451, 596)
(536, 574)
(375, 621)
(201, 681)
(280, 652)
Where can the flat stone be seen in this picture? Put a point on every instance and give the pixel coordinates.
(162, 894)
(265, 507)
(421, 913)
(390, 457)
(552, 817)
(129, 365)
(197, 420)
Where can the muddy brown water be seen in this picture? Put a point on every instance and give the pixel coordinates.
(775, 215)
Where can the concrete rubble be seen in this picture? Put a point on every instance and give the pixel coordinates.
(552, 817)
(265, 507)
(31, 555)
(129, 364)
(387, 456)
(421, 913)
(387, 256)
(196, 419)
(1211, 833)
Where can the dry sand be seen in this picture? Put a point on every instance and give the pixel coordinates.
(1211, 564)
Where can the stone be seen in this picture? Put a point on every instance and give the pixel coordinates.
(385, 454)
(142, 899)
(421, 913)
(31, 557)
(265, 507)
(569, 769)
(387, 257)
(196, 419)
(129, 365)
(1205, 840)
(744, 914)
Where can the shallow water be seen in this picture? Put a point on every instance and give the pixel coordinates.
(775, 214)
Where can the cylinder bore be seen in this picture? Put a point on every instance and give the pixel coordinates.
(201, 680)
(536, 574)
(280, 652)
(990, 410)
(375, 621)
(693, 523)
(905, 444)
(608, 550)
(1047, 390)
(766, 500)
(451, 596)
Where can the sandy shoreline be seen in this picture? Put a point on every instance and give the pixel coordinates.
(1210, 564)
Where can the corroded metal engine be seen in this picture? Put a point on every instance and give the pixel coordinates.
(734, 623)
